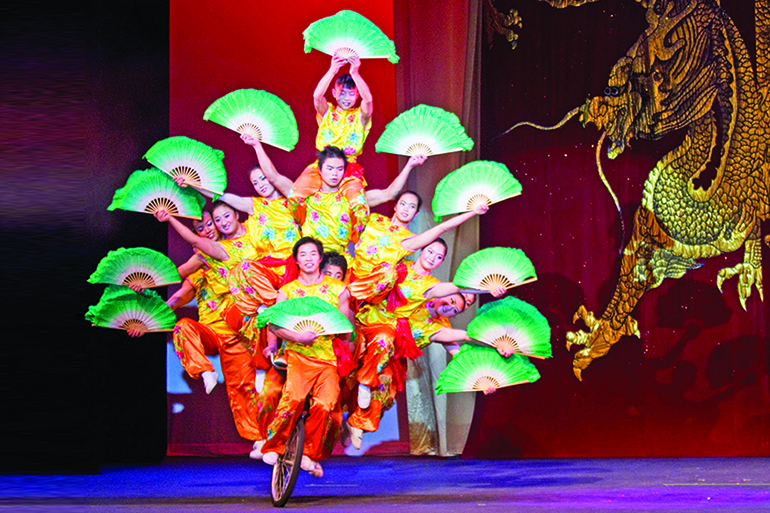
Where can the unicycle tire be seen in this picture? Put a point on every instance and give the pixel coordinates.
(286, 469)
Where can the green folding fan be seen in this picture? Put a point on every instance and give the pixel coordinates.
(512, 324)
(123, 309)
(347, 33)
(260, 114)
(491, 268)
(199, 164)
(478, 182)
(306, 314)
(144, 267)
(477, 368)
(424, 130)
(151, 190)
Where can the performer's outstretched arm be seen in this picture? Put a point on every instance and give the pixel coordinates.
(278, 180)
(207, 246)
(376, 197)
(421, 240)
(319, 94)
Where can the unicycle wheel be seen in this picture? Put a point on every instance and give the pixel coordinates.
(286, 469)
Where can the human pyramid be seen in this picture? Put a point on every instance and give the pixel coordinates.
(258, 284)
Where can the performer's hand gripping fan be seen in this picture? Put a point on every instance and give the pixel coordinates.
(513, 326)
(492, 268)
(478, 369)
(305, 314)
(151, 190)
(424, 130)
(143, 267)
(477, 182)
(348, 34)
(123, 309)
(260, 114)
(197, 163)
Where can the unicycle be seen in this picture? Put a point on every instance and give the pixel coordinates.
(286, 469)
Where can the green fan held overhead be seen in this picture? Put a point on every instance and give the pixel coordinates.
(197, 163)
(151, 190)
(346, 34)
(306, 314)
(260, 114)
(142, 267)
(477, 182)
(424, 130)
(123, 309)
(478, 369)
(513, 326)
(492, 268)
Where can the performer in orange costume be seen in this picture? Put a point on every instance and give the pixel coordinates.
(344, 126)
(312, 367)
(210, 335)
(388, 337)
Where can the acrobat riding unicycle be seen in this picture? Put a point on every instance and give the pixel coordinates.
(286, 469)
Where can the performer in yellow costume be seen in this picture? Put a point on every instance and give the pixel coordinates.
(386, 241)
(312, 367)
(344, 126)
(210, 335)
(388, 337)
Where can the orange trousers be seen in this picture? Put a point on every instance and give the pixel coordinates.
(322, 427)
(375, 373)
(193, 341)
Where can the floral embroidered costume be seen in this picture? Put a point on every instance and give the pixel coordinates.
(378, 252)
(255, 281)
(211, 335)
(343, 129)
(388, 339)
(333, 219)
(312, 369)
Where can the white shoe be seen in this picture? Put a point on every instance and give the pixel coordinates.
(270, 458)
(355, 436)
(364, 396)
(259, 380)
(209, 380)
(256, 452)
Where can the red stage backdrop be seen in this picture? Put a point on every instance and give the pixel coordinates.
(215, 48)
(696, 384)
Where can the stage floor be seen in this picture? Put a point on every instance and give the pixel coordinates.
(408, 484)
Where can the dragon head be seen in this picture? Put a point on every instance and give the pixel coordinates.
(666, 80)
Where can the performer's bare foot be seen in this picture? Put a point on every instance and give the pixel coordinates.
(313, 467)
(270, 458)
(256, 451)
(209, 380)
(364, 396)
(355, 436)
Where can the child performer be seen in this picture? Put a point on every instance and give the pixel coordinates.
(312, 367)
(344, 126)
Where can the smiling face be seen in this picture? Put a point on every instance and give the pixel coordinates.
(308, 258)
(345, 97)
(226, 220)
(261, 184)
(205, 227)
(332, 171)
(449, 306)
(432, 256)
(406, 207)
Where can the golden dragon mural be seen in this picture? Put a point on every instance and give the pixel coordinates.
(690, 70)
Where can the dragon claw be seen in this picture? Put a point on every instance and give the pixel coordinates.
(748, 276)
